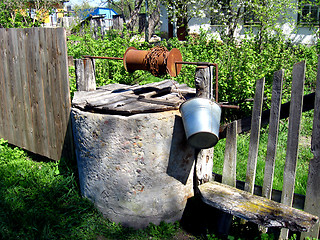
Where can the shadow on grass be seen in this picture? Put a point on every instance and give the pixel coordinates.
(41, 200)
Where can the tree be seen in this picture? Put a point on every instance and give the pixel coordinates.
(229, 14)
(130, 10)
(17, 13)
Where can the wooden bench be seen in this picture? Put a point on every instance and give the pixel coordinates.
(262, 210)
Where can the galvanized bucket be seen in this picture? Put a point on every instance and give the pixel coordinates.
(201, 121)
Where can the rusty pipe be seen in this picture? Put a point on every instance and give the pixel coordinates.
(98, 57)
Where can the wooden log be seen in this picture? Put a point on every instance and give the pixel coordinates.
(204, 165)
(273, 133)
(203, 83)
(254, 137)
(85, 74)
(289, 174)
(256, 209)
(312, 203)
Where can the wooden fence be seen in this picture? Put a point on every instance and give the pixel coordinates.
(34, 90)
(272, 116)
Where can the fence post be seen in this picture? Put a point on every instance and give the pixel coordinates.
(85, 74)
(204, 157)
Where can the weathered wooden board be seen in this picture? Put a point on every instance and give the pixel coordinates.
(254, 136)
(273, 133)
(85, 74)
(35, 90)
(256, 209)
(128, 100)
(312, 203)
(289, 174)
(230, 156)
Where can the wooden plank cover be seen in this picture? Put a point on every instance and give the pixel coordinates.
(256, 209)
(128, 100)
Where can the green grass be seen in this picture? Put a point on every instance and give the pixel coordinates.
(243, 140)
(41, 199)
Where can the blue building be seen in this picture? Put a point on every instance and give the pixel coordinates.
(107, 13)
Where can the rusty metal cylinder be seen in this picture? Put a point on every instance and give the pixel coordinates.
(158, 63)
(134, 59)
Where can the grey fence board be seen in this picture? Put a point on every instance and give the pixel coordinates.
(312, 203)
(273, 133)
(35, 90)
(254, 137)
(230, 156)
(289, 174)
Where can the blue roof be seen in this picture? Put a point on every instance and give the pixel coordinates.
(108, 12)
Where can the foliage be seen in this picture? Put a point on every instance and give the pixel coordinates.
(112, 45)
(130, 10)
(240, 64)
(10, 18)
(17, 13)
(227, 15)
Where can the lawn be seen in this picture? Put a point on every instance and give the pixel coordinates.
(40, 199)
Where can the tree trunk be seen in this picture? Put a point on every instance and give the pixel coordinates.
(134, 15)
(154, 20)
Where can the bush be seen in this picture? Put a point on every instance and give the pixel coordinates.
(240, 64)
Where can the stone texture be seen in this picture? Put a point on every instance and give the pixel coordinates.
(136, 169)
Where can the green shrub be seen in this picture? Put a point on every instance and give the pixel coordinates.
(240, 64)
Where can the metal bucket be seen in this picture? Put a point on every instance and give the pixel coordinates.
(201, 121)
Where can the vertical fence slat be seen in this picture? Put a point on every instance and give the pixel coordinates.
(255, 134)
(312, 203)
(3, 99)
(35, 82)
(44, 40)
(17, 91)
(7, 90)
(25, 90)
(59, 112)
(230, 156)
(65, 93)
(55, 87)
(289, 174)
(273, 133)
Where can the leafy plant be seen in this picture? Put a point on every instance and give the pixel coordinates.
(240, 64)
